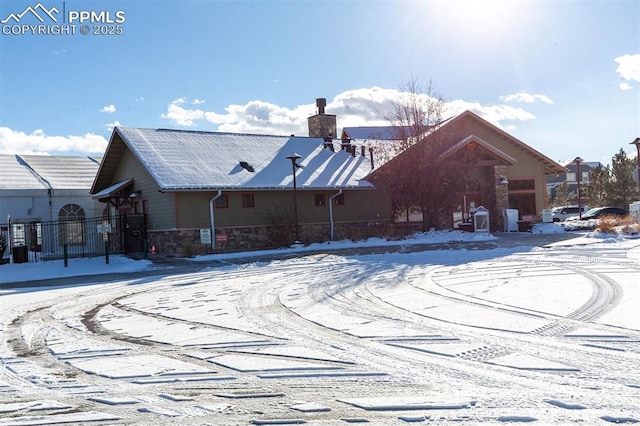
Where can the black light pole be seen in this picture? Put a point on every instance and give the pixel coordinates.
(294, 157)
(636, 142)
(579, 160)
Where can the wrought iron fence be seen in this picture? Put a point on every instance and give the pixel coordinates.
(36, 241)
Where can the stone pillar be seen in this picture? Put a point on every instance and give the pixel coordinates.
(502, 195)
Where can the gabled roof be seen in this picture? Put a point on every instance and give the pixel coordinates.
(473, 139)
(47, 172)
(370, 132)
(180, 160)
(549, 165)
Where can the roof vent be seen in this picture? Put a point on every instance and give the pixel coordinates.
(248, 167)
(321, 103)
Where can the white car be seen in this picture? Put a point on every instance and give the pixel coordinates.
(560, 214)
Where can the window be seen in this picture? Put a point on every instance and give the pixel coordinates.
(320, 200)
(72, 227)
(571, 177)
(247, 201)
(522, 196)
(339, 200)
(585, 176)
(222, 202)
(525, 203)
(523, 184)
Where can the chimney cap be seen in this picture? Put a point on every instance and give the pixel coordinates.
(321, 103)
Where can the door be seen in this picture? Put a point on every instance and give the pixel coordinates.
(133, 232)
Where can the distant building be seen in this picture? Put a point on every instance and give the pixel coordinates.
(570, 176)
(42, 188)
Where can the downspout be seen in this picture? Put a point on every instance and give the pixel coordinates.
(331, 211)
(212, 222)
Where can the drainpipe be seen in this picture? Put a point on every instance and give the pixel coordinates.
(331, 210)
(212, 222)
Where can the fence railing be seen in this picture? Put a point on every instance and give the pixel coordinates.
(40, 241)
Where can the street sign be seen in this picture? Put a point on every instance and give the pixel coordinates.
(103, 228)
(221, 238)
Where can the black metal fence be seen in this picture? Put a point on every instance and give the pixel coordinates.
(36, 241)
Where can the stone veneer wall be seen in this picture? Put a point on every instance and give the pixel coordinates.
(186, 242)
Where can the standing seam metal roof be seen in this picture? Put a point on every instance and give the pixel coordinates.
(193, 160)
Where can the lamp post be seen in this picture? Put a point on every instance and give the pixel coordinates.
(579, 160)
(294, 157)
(636, 142)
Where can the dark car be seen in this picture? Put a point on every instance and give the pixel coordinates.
(598, 212)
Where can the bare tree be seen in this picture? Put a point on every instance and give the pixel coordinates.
(414, 114)
(418, 173)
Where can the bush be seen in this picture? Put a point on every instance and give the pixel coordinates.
(615, 225)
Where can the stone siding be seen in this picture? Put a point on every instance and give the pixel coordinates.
(186, 242)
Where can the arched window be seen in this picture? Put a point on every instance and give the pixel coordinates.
(71, 212)
(71, 219)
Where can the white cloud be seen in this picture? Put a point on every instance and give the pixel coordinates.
(37, 142)
(495, 114)
(109, 109)
(197, 102)
(629, 67)
(111, 126)
(357, 107)
(625, 86)
(526, 98)
(182, 116)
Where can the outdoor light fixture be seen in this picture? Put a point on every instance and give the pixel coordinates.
(294, 157)
(579, 160)
(135, 194)
(504, 181)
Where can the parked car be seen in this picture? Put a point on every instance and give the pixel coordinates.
(598, 212)
(560, 214)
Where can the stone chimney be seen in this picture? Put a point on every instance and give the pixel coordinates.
(322, 125)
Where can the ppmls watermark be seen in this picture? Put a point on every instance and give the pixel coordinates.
(40, 20)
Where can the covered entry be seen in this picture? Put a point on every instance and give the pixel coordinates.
(487, 183)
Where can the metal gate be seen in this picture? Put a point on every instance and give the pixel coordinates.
(133, 232)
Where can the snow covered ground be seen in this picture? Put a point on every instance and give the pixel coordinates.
(473, 330)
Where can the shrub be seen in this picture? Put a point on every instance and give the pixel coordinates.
(616, 224)
(608, 224)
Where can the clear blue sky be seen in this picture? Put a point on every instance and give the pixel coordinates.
(562, 76)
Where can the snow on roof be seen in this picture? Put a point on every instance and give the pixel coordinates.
(64, 171)
(192, 160)
(371, 132)
(15, 175)
(113, 189)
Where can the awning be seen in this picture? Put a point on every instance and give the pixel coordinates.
(112, 190)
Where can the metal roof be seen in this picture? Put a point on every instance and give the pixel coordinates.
(47, 171)
(370, 132)
(182, 160)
